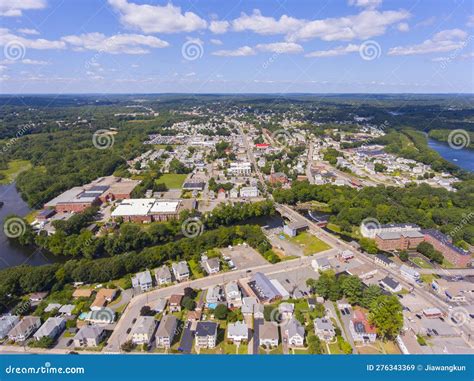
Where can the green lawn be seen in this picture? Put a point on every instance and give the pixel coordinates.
(15, 167)
(172, 180)
(421, 263)
(310, 244)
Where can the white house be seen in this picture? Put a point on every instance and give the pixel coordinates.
(409, 273)
(24, 329)
(294, 332)
(143, 329)
(7, 322)
(51, 328)
(89, 336)
(166, 331)
(248, 192)
(268, 335)
(321, 264)
(143, 281)
(180, 271)
(163, 275)
(324, 329)
(233, 295)
(206, 334)
(238, 332)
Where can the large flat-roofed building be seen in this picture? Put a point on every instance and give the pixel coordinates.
(371, 230)
(444, 244)
(240, 169)
(392, 240)
(77, 199)
(150, 209)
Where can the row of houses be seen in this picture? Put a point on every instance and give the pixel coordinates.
(144, 280)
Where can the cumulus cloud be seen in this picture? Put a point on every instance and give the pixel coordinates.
(25, 61)
(215, 41)
(120, 43)
(365, 3)
(15, 8)
(28, 31)
(403, 27)
(367, 24)
(219, 27)
(7, 37)
(444, 41)
(338, 51)
(239, 52)
(260, 24)
(156, 18)
(280, 47)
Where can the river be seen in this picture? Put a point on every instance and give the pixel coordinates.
(463, 158)
(12, 254)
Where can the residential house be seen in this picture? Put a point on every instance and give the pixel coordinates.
(211, 265)
(249, 305)
(143, 329)
(321, 264)
(311, 303)
(89, 336)
(37, 297)
(390, 284)
(160, 305)
(238, 332)
(324, 329)
(104, 296)
(142, 280)
(206, 334)
(268, 335)
(286, 310)
(163, 275)
(24, 329)
(7, 322)
(294, 333)
(383, 260)
(180, 271)
(233, 295)
(214, 296)
(263, 288)
(166, 331)
(66, 310)
(51, 328)
(175, 302)
(360, 328)
(52, 306)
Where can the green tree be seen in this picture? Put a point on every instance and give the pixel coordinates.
(386, 315)
(221, 311)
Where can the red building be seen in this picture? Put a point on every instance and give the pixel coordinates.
(389, 241)
(443, 244)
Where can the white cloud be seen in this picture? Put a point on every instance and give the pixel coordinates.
(15, 8)
(426, 22)
(470, 21)
(260, 24)
(280, 47)
(156, 18)
(444, 41)
(403, 27)
(28, 31)
(6, 37)
(367, 24)
(219, 27)
(120, 43)
(25, 61)
(338, 51)
(215, 41)
(240, 52)
(365, 3)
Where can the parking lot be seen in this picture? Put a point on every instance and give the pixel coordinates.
(244, 257)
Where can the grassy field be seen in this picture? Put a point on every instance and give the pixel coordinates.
(15, 167)
(421, 263)
(172, 180)
(310, 243)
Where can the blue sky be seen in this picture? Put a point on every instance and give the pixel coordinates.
(122, 46)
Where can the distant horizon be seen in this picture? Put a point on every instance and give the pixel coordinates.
(234, 93)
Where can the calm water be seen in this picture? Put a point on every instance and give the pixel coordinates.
(11, 254)
(464, 158)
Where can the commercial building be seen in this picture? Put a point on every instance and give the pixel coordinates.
(444, 244)
(263, 288)
(395, 240)
(150, 209)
